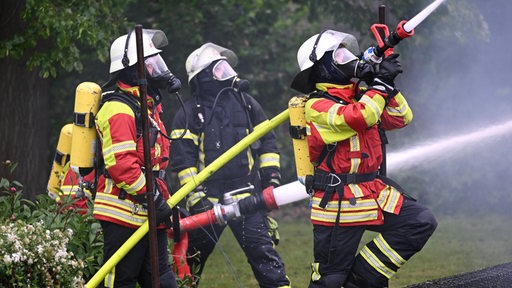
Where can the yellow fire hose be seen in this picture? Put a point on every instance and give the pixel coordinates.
(260, 130)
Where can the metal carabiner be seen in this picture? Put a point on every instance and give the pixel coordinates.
(332, 175)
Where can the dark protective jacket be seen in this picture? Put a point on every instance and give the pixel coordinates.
(214, 126)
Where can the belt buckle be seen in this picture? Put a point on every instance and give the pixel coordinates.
(331, 178)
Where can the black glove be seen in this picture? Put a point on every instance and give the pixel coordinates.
(385, 76)
(270, 176)
(388, 69)
(174, 84)
(197, 202)
(163, 211)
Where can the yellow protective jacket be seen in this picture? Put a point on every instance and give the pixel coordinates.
(350, 126)
(123, 154)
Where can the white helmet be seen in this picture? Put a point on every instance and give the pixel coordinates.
(205, 55)
(314, 48)
(123, 51)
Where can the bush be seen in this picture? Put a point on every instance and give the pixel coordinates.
(44, 244)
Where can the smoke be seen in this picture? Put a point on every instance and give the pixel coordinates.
(461, 95)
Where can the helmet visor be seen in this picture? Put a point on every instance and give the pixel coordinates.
(223, 71)
(342, 56)
(155, 66)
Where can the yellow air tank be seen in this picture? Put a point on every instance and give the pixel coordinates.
(83, 144)
(298, 133)
(60, 160)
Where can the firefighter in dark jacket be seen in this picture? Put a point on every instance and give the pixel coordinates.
(220, 113)
(348, 197)
(120, 204)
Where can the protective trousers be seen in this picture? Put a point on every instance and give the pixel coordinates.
(400, 237)
(135, 267)
(251, 232)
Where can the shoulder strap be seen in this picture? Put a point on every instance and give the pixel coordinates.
(129, 100)
(325, 95)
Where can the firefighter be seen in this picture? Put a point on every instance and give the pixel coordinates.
(221, 113)
(120, 204)
(348, 197)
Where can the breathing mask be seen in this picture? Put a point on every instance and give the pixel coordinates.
(159, 75)
(349, 65)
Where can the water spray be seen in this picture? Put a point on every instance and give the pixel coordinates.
(405, 159)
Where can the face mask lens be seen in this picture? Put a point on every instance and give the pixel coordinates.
(155, 66)
(342, 56)
(223, 71)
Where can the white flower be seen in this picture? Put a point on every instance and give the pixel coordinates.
(7, 260)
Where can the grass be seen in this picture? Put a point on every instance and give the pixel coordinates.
(460, 244)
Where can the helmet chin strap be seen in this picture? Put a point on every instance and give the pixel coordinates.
(126, 60)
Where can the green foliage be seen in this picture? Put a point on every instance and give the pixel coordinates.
(80, 234)
(55, 32)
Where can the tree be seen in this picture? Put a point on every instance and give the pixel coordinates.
(39, 39)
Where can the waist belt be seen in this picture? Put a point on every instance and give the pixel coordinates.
(330, 183)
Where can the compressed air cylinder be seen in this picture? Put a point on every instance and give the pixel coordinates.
(87, 103)
(298, 133)
(60, 160)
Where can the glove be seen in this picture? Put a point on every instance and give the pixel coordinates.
(197, 202)
(270, 176)
(163, 211)
(385, 76)
(388, 69)
(174, 84)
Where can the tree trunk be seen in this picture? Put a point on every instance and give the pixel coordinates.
(24, 113)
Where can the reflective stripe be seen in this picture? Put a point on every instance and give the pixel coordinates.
(188, 135)
(110, 152)
(332, 115)
(68, 189)
(194, 198)
(323, 123)
(269, 159)
(389, 252)
(187, 174)
(388, 199)
(109, 279)
(315, 275)
(376, 263)
(402, 110)
(122, 210)
(250, 159)
(135, 187)
(356, 190)
(397, 111)
(354, 146)
(372, 110)
(364, 210)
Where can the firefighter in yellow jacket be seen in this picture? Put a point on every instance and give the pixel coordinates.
(120, 203)
(348, 195)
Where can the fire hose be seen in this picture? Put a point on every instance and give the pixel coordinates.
(403, 30)
(270, 199)
(260, 130)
